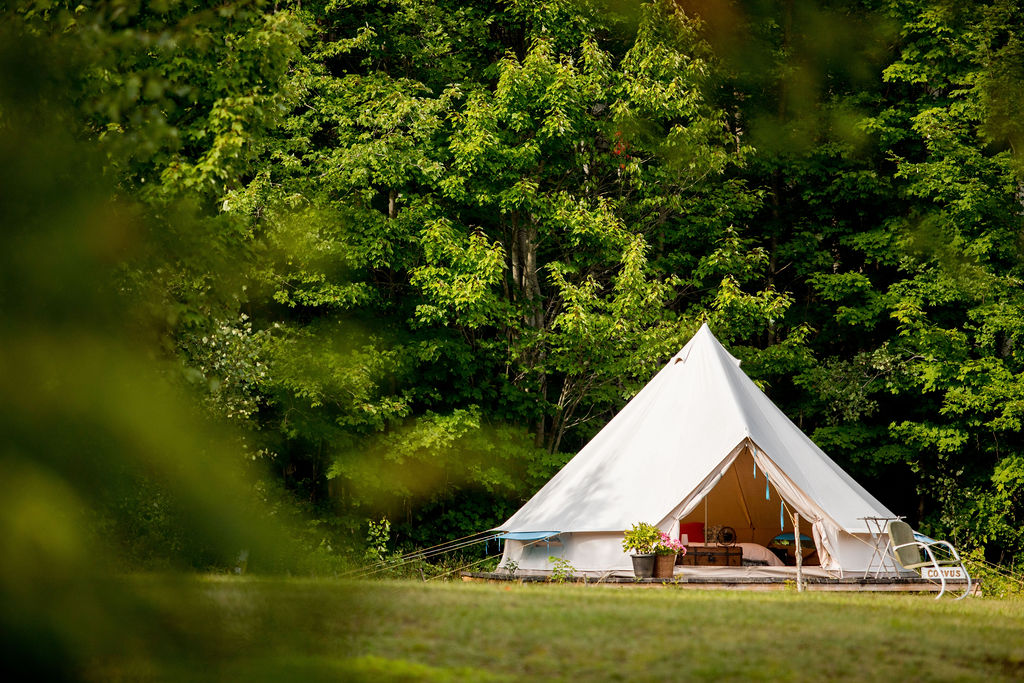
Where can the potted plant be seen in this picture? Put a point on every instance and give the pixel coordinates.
(665, 552)
(642, 539)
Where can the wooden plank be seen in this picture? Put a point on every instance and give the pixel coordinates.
(908, 585)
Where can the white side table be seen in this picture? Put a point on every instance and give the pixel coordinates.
(878, 531)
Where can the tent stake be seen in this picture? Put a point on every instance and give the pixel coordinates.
(799, 554)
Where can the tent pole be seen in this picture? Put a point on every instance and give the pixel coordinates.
(743, 500)
(799, 553)
(705, 539)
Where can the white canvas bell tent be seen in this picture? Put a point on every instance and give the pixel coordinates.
(701, 439)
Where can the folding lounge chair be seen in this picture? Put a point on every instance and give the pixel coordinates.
(914, 554)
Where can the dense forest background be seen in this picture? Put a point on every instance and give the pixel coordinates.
(418, 252)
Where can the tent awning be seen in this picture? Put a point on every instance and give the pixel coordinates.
(528, 535)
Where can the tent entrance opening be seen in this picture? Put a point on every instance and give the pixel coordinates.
(745, 501)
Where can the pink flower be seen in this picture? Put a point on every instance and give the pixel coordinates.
(672, 545)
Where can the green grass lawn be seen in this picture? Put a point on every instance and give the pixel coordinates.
(270, 629)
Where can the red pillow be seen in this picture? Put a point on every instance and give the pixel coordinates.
(693, 530)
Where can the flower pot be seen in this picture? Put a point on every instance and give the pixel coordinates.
(643, 565)
(663, 566)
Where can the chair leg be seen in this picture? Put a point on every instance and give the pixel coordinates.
(942, 581)
(967, 591)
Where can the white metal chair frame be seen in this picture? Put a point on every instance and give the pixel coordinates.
(932, 560)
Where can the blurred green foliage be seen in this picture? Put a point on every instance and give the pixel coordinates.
(336, 261)
(1000, 582)
(106, 465)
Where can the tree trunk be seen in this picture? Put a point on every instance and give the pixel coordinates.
(515, 261)
(522, 248)
(530, 280)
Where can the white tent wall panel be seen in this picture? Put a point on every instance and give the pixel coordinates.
(589, 552)
(854, 552)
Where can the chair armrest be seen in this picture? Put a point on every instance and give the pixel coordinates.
(919, 544)
(926, 547)
(947, 544)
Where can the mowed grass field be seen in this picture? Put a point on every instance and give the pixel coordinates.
(310, 630)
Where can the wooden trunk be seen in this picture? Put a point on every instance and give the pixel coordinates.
(712, 556)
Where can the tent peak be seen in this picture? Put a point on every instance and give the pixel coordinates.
(704, 331)
(702, 337)
(706, 340)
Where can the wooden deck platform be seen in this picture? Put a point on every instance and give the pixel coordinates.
(746, 583)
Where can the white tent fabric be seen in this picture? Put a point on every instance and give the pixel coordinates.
(669, 453)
